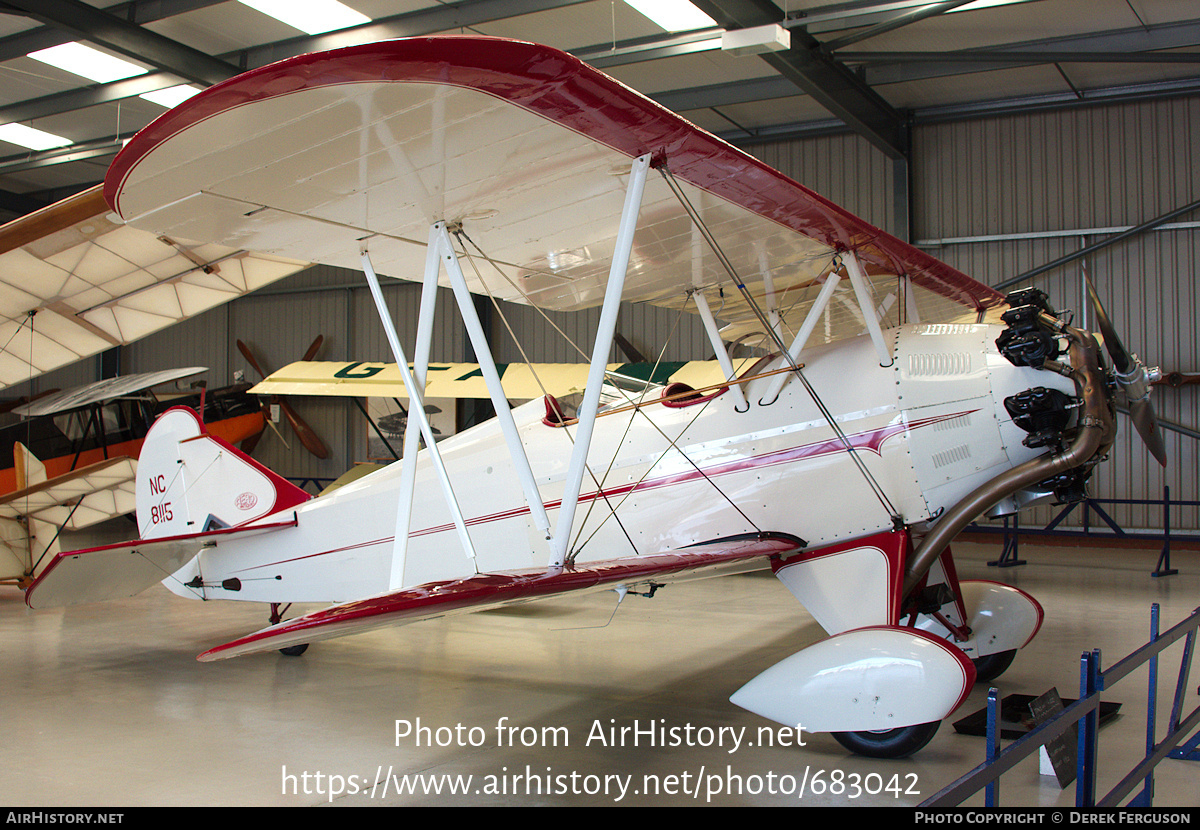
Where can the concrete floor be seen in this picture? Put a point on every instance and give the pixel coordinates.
(106, 704)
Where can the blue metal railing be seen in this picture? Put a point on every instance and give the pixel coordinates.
(1085, 713)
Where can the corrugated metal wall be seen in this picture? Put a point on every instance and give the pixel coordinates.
(1101, 167)
(843, 168)
(1035, 173)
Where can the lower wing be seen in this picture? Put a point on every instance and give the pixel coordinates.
(484, 591)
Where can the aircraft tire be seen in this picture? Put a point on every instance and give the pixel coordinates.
(294, 651)
(889, 743)
(991, 666)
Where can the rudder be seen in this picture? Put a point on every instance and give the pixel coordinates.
(189, 481)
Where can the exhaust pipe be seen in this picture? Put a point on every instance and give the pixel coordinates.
(1095, 430)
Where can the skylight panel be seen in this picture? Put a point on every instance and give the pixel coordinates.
(170, 97)
(31, 138)
(673, 15)
(312, 17)
(87, 62)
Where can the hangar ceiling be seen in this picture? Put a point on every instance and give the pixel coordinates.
(874, 67)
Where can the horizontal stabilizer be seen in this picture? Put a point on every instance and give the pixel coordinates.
(484, 591)
(124, 569)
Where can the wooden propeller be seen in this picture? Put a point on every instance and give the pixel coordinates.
(311, 441)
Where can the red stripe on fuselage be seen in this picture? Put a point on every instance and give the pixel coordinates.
(871, 440)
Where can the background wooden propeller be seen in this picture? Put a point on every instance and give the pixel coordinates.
(311, 441)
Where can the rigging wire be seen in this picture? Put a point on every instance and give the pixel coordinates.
(577, 545)
(673, 444)
(580, 542)
(459, 232)
(57, 533)
(669, 178)
(29, 440)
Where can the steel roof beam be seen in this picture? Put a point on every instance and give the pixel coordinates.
(989, 57)
(60, 155)
(1125, 46)
(651, 48)
(129, 39)
(839, 17)
(724, 95)
(408, 24)
(1156, 91)
(139, 12)
(1133, 41)
(439, 18)
(88, 96)
(897, 22)
(829, 82)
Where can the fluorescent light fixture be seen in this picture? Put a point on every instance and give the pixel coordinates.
(170, 97)
(986, 4)
(24, 136)
(87, 62)
(757, 40)
(312, 17)
(673, 15)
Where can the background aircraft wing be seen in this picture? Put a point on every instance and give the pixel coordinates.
(525, 151)
(77, 499)
(521, 381)
(484, 591)
(75, 280)
(101, 391)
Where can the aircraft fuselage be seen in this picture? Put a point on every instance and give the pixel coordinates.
(915, 437)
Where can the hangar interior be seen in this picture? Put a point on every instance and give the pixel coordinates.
(997, 136)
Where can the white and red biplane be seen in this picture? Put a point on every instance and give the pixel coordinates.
(887, 417)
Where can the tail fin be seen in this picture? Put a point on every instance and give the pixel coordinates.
(43, 536)
(26, 548)
(190, 482)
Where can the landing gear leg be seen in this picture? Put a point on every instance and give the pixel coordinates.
(276, 618)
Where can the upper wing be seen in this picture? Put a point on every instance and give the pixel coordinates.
(81, 281)
(525, 152)
(483, 591)
(521, 381)
(101, 391)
